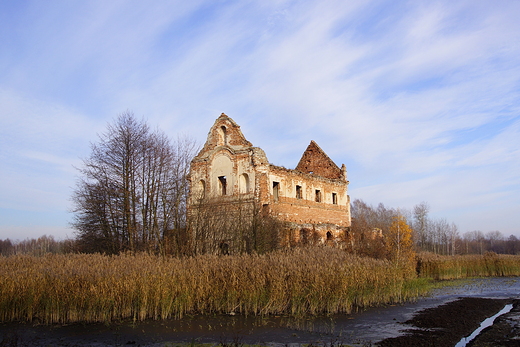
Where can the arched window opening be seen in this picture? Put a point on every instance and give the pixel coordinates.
(329, 236)
(222, 136)
(224, 132)
(244, 183)
(202, 189)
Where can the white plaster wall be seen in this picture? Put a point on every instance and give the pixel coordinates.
(282, 185)
(222, 166)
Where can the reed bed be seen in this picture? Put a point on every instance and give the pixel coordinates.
(97, 288)
(444, 267)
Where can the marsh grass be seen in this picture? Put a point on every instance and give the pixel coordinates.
(464, 266)
(97, 288)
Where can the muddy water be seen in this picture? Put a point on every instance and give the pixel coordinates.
(362, 328)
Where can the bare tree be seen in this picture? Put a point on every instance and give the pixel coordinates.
(453, 236)
(512, 245)
(475, 242)
(496, 241)
(369, 227)
(132, 191)
(420, 224)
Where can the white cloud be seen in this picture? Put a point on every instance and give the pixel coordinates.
(40, 143)
(418, 99)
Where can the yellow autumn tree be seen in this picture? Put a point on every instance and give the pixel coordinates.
(399, 241)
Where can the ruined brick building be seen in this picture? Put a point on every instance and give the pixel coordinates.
(234, 188)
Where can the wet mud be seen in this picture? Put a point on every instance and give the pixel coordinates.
(441, 319)
(504, 332)
(446, 324)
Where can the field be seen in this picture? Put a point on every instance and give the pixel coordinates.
(97, 288)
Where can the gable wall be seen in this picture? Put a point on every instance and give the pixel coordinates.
(315, 161)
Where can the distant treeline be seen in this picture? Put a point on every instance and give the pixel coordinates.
(37, 247)
(429, 235)
(437, 236)
(473, 242)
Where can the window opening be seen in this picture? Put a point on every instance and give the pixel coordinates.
(244, 183)
(224, 131)
(298, 192)
(224, 248)
(329, 235)
(202, 189)
(223, 184)
(276, 190)
(334, 198)
(305, 236)
(318, 195)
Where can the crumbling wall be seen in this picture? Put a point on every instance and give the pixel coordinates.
(234, 191)
(304, 207)
(315, 161)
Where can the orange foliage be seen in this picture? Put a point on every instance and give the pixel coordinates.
(399, 241)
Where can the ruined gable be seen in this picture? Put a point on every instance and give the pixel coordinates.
(224, 133)
(315, 161)
(227, 165)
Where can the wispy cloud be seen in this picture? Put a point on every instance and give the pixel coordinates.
(418, 99)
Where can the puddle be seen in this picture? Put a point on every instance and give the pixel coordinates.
(486, 323)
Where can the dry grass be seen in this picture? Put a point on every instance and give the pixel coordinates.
(446, 267)
(97, 288)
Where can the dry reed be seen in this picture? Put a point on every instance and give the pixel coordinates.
(444, 267)
(98, 288)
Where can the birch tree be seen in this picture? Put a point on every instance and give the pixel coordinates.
(399, 240)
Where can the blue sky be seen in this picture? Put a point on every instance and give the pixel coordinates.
(419, 99)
